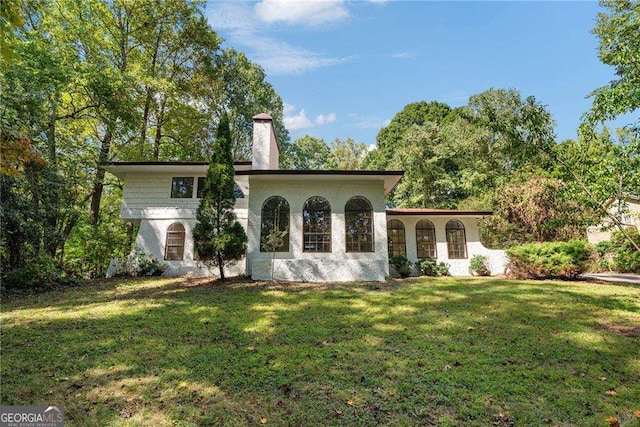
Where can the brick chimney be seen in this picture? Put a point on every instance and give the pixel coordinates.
(265, 145)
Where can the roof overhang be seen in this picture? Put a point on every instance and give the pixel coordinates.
(437, 212)
(120, 169)
(389, 178)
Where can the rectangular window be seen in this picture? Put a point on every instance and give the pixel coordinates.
(182, 188)
(236, 189)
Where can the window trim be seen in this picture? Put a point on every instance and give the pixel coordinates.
(390, 244)
(173, 186)
(356, 213)
(434, 245)
(305, 233)
(286, 247)
(181, 234)
(452, 251)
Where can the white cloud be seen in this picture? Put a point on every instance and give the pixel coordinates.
(299, 121)
(368, 122)
(404, 55)
(246, 28)
(301, 12)
(323, 119)
(288, 108)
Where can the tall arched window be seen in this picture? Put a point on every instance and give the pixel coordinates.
(358, 215)
(316, 227)
(275, 216)
(174, 247)
(456, 239)
(396, 238)
(426, 239)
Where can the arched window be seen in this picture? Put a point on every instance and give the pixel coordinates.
(275, 216)
(316, 227)
(456, 239)
(396, 238)
(358, 215)
(426, 239)
(174, 247)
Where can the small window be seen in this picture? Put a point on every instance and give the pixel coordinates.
(182, 188)
(275, 215)
(358, 215)
(236, 189)
(426, 239)
(456, 239)
(396, 238)
(174, 248)
(316, 227)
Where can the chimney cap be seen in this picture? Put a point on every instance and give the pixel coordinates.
(262, 116)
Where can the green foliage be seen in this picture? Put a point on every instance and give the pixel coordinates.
(539, 209)
(40, 273)
(308, 153)
(347, 154)
(402, 265)
(617, 31)
(431, 267)
(626, 258)
(218, 237)
(389, 139)
(138, 264)
(479, 266)
(550, 260)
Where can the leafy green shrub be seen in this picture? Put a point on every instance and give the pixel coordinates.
(41, 273)
(627, 257)
(430, 267)
(479, 266)
(549, 260)
(402, 265)
(139, 264)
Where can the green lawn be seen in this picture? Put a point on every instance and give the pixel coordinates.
(413, 352)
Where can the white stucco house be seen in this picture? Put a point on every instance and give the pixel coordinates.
(338, 226)
(626, 209)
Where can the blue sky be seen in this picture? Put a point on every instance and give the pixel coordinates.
(344, 69)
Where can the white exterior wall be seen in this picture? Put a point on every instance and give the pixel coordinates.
(337, 265)
(265, 146)
(457, 267)
(147, 200)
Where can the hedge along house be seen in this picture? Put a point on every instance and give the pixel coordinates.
(337, 227)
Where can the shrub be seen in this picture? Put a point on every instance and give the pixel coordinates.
(550, 260)
(627, 257)
(139, 264)
(479, 266)
(402, 265)
(40, 273)
(430, 267)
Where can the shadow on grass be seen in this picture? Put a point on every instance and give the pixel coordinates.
(420, 351)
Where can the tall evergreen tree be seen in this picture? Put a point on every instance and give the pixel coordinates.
(218, 236)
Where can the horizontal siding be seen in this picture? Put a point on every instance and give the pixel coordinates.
(149, 196)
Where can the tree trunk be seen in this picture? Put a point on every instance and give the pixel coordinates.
(220, 266)
(98, 183)
(158, 137)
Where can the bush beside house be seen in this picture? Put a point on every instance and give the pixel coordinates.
(549, 260)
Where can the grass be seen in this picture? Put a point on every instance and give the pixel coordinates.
(447, 351)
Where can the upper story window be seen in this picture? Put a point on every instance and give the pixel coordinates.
(358, 215)
(236, 189)
(456, 239)
(275, 216)
(182, 188)
(396, 238)
(426, 239)
(316, 225)
(174, 246)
